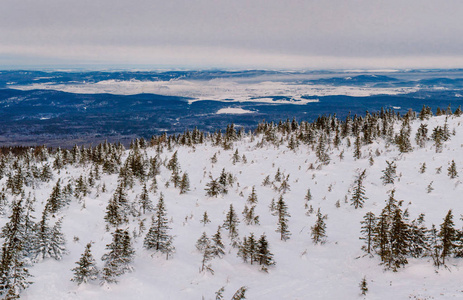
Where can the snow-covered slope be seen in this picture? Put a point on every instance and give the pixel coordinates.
(303, 270)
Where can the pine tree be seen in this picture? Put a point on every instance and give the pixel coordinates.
(248, 249)
(447, 235)
(205, 247)
(358, 145)
(86, 269)
(145, 201)
(418, 237)
(240, 294)
(368, 231)
(363, 286)
(117, 208)
(308, 197)
(358, 196)
(230, 223)
(57, 200)
(399, 241)
(423, 168)
(403, 138)
(266, 181)
(252, 199)
(264, 256)
(284, 187)
(219, 294)
(218, 247)
(318, 231)
(46, 175)
(281, 210)
(205, 219)
(452, 170)
(202, 242)
(321, 152)
(13, 273)
(421, 136)
(184, 183)
(213, 188)
(173, 163)
(157, 237)
(49, 242)
(435, 246)
(236, 157)
(278, 176)
(249, 216)
(389, 174)
(118, 260)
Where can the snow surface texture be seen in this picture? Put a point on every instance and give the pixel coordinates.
(221, 89)
(234, 111)
(303, 270)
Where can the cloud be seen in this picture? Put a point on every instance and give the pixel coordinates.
(269, 33)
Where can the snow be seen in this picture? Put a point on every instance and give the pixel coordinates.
(233, 111)
(221, 89)
(303, 270)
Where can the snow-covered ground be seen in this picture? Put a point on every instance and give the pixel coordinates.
(220, 89)
(303, 270)
(234, 111)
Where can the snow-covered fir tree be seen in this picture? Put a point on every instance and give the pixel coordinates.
(86, 269)
(119, 258)
(157, 237)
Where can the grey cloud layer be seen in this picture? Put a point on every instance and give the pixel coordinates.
(328, 28)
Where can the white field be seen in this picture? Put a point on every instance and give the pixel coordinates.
(303, 270)
(219, 89)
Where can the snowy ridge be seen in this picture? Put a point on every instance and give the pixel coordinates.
(303, 270)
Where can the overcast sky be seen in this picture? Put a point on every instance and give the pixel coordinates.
(285, 34)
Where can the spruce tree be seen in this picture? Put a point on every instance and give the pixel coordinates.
(202, 242)
(213, 188)
(363, 286)
(205, 219)
(447, 235)
(249, 216)
(205, 247)
(57, 200)
(403, 138)
(117, 208)
(318, 231)
(264, 256)
(173, 163)
(231, 224)
(145, 201)
(118, 260)
(418, 237)
(368, 231)
(358, 196)
(321, 152)
(240, 294)
(184, 183)
(435, 246)
(49, 241)
(157, 237)
(308, 197)
(218, 247)
(358, 145)
(389, 174)
(452, 170)
(399, 241)
(13, 273)
(421, 136)
(281, 210)
(252, 199)
(86, 269)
